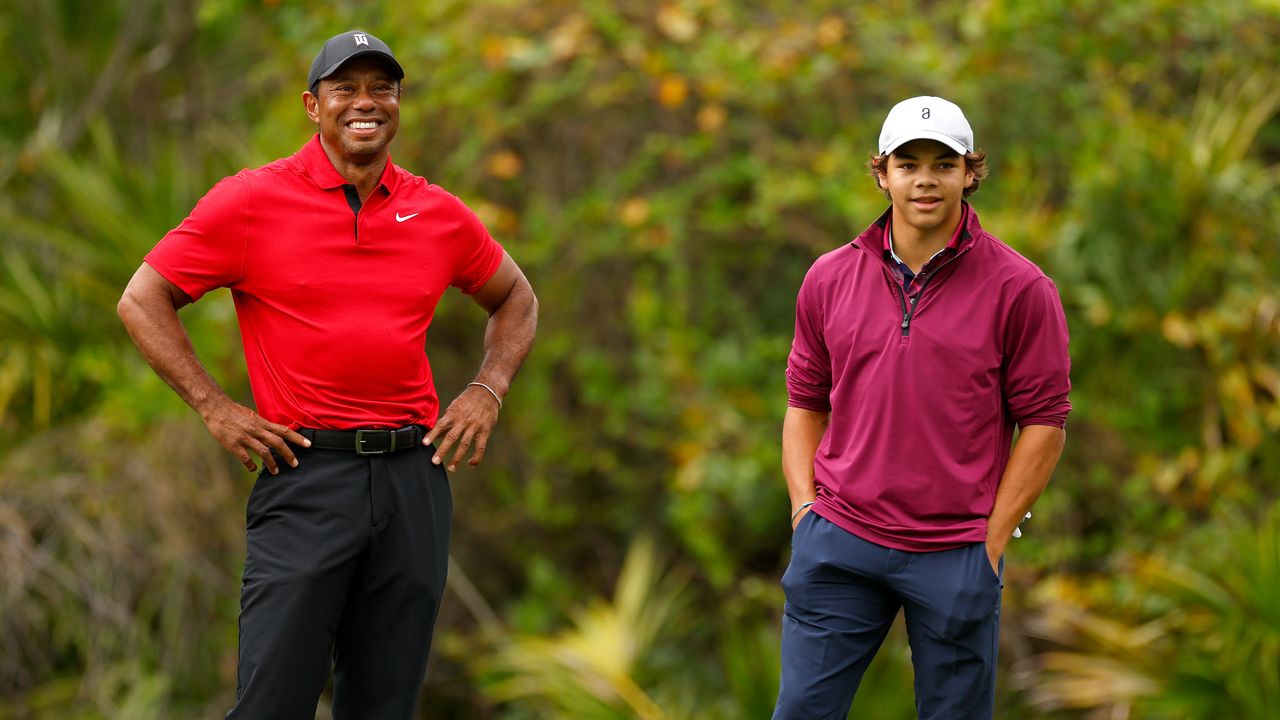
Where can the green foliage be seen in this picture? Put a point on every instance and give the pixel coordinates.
(590, 671)
(117, 547)
(665, 173)
(1195, 633)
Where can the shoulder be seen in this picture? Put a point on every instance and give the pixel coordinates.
(834, 267)
(999, 259)
(227, 194)
(835, 262)
(1014, 283)
(286, 171)
(288, 164)
(419, 189)
(828, 278)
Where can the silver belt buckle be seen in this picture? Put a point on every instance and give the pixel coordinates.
(360, 441)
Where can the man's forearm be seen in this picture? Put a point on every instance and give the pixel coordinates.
(1030, 466)
(508, 337)
(802, 432)
(149, 310)
(153, 324)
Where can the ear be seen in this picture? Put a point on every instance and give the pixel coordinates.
(311, 104)
(968, 175)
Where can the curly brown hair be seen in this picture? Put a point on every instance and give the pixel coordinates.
(975, 162)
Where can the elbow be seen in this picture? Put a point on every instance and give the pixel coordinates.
(127, 307)
(533, 307)
(148, 295)
(518, 305)
(139, 302)
(521, 303)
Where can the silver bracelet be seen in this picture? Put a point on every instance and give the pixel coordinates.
(491, 392)
(802, 507)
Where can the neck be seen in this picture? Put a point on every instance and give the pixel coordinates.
(364, 174)
(915, 245)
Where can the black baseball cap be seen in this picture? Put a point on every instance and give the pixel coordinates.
(345, 46)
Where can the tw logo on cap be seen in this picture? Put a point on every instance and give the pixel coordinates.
(361, 39)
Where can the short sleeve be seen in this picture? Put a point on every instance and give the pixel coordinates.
(1036, 358)
(206, 251)
(478, 254)
(809, 364)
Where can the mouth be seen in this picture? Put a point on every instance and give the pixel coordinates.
(363, 127)
(927, 202)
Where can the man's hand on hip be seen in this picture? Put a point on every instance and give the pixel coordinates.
(245, 433)
(466, 423)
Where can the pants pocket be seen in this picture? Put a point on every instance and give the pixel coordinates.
(992, 576)
(268, 488)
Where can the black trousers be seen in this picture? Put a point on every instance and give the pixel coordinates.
(345, 567)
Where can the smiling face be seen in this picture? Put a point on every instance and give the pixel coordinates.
(358, 110)
(926, 180)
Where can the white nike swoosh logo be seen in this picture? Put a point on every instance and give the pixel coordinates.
(406, 217)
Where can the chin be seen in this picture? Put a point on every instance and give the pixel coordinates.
(367, 147)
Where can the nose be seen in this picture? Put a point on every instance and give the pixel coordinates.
(926, 178)
(363, 99)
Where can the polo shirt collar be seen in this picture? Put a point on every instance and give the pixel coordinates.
(322, 171)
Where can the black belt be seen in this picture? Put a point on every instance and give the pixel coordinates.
(366, 442)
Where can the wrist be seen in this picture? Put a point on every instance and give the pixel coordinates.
(493, 394)
(1001, 530)
(209, 405)
(803, 506)
(499, 386)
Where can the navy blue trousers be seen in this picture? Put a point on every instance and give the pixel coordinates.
(843, 594)
(345, 568)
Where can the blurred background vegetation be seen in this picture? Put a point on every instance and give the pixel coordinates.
(665, 171)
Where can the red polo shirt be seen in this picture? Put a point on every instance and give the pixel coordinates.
(333, 304)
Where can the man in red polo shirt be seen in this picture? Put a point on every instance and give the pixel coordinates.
(918, 347)
(336, 258)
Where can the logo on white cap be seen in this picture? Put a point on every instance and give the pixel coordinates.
(361, 39)
(926, 118)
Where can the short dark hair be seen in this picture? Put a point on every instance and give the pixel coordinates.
(975, 162)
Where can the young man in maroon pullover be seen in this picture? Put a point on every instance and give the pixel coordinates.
(918, 347)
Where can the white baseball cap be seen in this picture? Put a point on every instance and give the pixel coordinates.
(926, 118)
